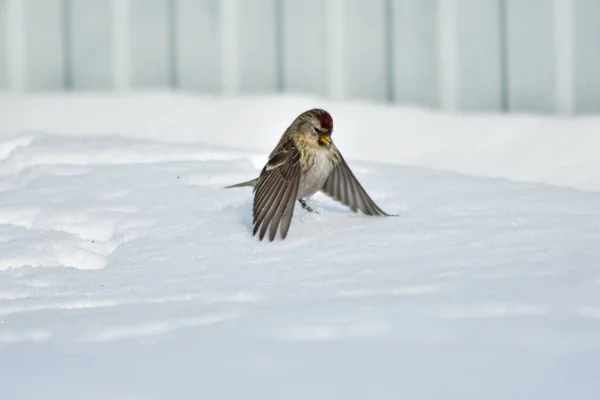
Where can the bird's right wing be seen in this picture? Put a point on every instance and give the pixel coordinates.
(276, 191)
(342, 185)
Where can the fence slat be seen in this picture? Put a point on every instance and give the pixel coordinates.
(587, 55)
(3, 42)
(563, 55)
(89, 42)
(530, 52)
(15, 46)
(365, 49)
(150, 43)
(305, 53)
(44, 52)
(479, 55)
(447, 46)
(415, 52)
(120, 44)
(334, 45)
(468, 55)
(257, 46)
(197, 45)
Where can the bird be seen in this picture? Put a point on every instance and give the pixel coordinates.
(304, 162)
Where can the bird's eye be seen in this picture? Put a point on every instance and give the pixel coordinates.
(317, 130)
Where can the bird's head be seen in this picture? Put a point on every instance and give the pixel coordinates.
(316, 124)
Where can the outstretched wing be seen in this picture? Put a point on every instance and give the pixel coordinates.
(276, 191)
(342, 185)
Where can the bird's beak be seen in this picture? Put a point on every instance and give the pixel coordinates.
(325, 140)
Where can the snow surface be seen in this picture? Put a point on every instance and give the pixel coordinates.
(559, 151)
(128, 272)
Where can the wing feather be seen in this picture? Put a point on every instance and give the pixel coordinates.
(276, 189)
(342, 185)
(265, 196)
(269, 201)
(289, 211)
(283, 205)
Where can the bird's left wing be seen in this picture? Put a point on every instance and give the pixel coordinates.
(276, 191)
(342, 185)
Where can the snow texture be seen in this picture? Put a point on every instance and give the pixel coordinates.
(128, 272)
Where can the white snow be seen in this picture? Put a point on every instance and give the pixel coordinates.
(128, 272)
(560, 151)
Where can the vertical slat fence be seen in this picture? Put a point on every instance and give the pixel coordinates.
(458, 55)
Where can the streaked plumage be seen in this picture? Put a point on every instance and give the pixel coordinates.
(304, 161)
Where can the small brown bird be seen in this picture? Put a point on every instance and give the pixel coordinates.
(304, 162)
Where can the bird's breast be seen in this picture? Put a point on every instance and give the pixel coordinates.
(315, 175)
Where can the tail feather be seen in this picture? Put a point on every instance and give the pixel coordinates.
(251, 183)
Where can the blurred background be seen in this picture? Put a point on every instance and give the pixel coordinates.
(540, 56)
